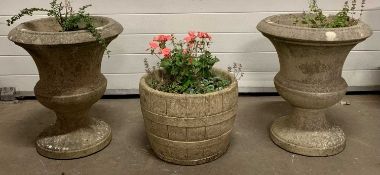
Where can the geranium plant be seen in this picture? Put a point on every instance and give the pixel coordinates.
(185, 66)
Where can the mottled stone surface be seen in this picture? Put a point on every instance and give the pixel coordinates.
(310, 79)
(189, 129)
(7, 93)
(251, 150)
(70, 83)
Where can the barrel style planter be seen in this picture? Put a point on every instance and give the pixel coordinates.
(70, 83)
(310, 79)
(189, 129)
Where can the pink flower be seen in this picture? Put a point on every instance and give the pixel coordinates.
(201, 34)
(162, 38)
(204, 35)
(190, 37)
(208, 36)
(185, 51)
(153, 45)
(168, 37)
(165, 52)
(156, 38)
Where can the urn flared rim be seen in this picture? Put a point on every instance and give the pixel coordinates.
(282, 26)
(30, 32)
(233, 85)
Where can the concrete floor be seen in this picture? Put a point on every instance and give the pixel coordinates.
(251, 151)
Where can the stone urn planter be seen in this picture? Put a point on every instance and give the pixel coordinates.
(70, 83)
(310, 79)
(189, 129)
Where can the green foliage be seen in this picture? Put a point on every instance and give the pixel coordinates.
(315, 18)
(202, 86)
(66, 18)
(187, 68)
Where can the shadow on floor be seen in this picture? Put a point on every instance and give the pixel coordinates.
(124, 123)
(24, 132)
(262, 114)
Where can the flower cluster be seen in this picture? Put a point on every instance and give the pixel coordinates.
(193, 42)
(186, 63)
(191, 37)
(160, 43)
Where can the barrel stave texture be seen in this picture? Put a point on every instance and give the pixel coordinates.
(189, 129)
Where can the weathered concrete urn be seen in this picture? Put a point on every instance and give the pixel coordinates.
(189, 129)
(310, 79)
(70, 83)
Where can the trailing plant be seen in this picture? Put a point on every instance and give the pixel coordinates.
(67, 18)
(185, 66)
(236, 70)
(315, 18)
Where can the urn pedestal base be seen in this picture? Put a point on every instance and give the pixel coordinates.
(322, 142)
(83, 141)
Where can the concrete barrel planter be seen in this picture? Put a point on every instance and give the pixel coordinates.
(310, 79)
(70, 83)
(189, 129)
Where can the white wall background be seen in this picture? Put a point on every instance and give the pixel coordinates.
(232, 24)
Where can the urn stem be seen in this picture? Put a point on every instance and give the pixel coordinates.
(70, 121)
(309, 119)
